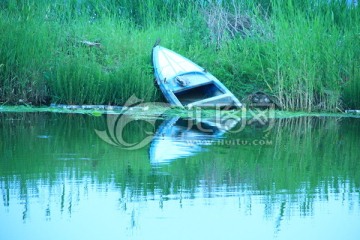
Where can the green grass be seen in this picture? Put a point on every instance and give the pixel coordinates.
(305, 53)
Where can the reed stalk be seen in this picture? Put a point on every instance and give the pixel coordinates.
(305, 53)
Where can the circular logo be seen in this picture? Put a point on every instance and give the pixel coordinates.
(134, 110)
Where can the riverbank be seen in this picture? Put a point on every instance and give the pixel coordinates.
(80, 52)
(142, 112)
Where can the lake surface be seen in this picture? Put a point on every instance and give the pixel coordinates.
(78, 176)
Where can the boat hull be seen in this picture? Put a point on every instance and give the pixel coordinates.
(186, 84)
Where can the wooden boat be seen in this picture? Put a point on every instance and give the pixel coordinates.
(185, 84)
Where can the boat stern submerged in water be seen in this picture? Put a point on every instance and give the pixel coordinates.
(185, 84)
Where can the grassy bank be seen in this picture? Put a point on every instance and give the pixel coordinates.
(305, 54)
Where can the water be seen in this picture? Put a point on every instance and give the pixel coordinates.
(68, 176)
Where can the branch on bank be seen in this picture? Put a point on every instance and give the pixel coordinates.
(90, 44)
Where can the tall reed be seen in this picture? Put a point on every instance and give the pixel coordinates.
(304, 53)
(300, 52)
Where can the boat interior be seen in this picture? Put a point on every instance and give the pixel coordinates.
(198, 93)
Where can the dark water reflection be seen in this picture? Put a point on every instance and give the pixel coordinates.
(60, 180)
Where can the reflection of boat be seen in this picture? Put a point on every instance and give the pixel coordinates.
(179, 138)
(185, 84)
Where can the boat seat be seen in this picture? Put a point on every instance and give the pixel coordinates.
(213, 100)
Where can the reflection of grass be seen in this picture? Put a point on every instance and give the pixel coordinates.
(307, 155)
(43, 57)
